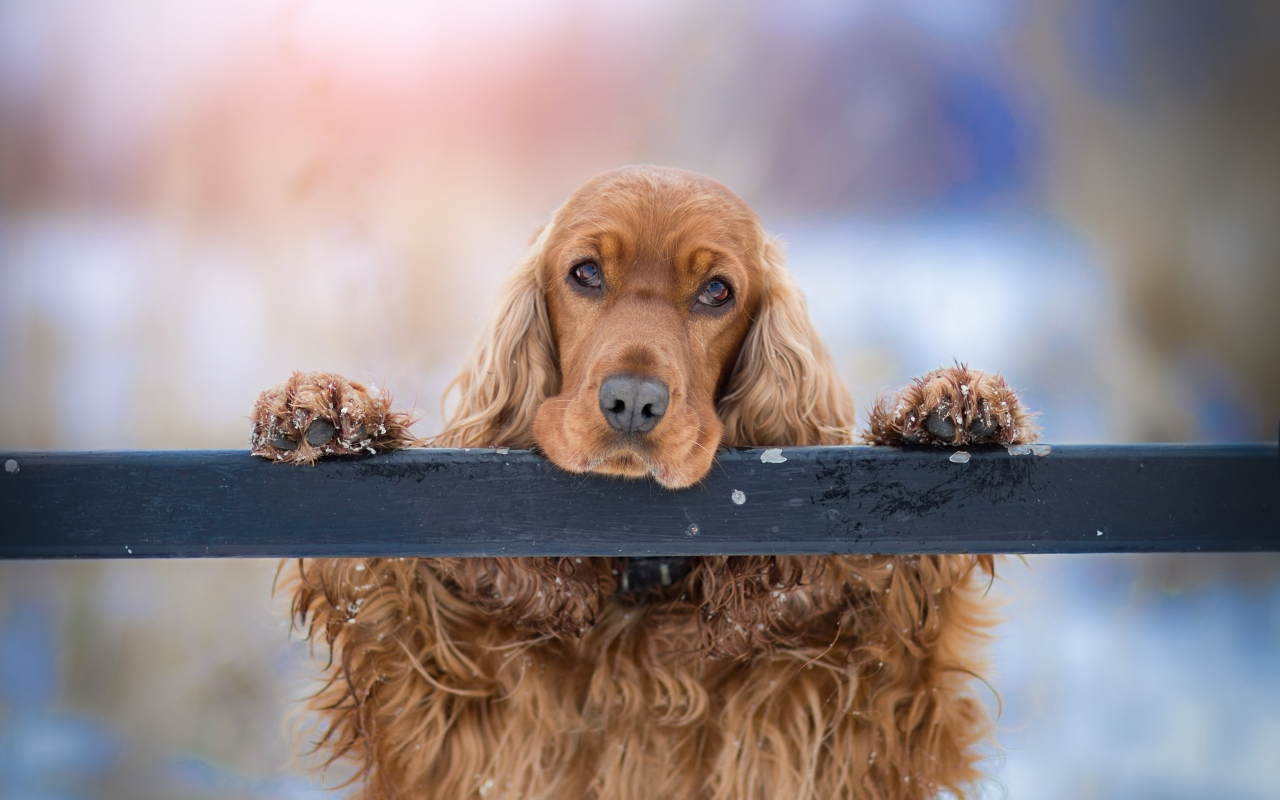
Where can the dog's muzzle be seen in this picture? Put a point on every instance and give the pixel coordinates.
(650, 578)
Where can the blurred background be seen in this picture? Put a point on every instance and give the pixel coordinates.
(197, 198)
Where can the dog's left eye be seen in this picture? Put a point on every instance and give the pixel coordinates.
(715, 293)
(587, 273)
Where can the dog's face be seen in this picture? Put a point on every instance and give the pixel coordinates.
(652, 280)
(650, 322)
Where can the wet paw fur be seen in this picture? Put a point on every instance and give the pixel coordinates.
(318, 414)
(952, 407)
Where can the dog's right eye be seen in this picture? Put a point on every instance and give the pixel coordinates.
(587, 274)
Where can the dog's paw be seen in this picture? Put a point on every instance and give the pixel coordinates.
(952, 407)
(317, 414)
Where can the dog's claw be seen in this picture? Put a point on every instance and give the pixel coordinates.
(982, 424)
(320, 432)
(282, 442)
(940, 425)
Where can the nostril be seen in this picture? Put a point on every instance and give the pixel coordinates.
(632, 403)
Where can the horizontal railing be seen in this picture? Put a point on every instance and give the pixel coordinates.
(440, 502)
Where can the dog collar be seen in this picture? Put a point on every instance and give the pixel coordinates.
(647, 577)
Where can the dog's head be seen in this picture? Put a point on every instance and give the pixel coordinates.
(651, 321)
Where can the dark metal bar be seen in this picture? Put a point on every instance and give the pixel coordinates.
(1075, 499)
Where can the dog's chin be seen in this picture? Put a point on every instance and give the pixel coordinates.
(672, 472)
(625, 462)
(622, 464)
(633, 463)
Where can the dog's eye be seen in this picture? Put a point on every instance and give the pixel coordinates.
(715, 293)
(587, 273)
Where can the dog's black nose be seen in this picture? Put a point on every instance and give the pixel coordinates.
(633, 404)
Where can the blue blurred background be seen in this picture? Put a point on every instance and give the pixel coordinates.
(198, 198)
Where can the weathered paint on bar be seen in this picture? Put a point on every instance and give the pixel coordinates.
(438, 502)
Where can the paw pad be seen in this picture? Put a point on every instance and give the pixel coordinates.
(319, 432)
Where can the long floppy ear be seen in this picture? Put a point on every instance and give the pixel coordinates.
(513, 368)
(784, 389)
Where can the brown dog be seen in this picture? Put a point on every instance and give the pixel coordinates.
(652, 322)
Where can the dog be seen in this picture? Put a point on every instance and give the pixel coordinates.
(651, 322)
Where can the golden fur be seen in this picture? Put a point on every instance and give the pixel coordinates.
(753, 677)
(438, 697)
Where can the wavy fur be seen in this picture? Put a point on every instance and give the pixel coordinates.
(784, 389)
(513, 368)
(436, 696)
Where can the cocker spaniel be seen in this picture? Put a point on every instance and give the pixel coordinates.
(651, 322)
